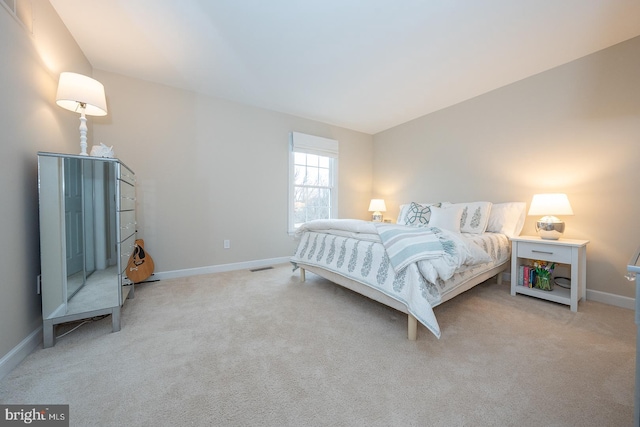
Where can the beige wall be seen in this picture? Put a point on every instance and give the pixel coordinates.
(30, 122)
(572, 129)
(210, 170)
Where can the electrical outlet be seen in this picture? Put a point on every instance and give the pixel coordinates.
(38, 283)
(227, 244)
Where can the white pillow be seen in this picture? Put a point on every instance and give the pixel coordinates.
(507, 218)
(446, 217)
(475, 216)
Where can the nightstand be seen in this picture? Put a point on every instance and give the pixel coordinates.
(571, 252)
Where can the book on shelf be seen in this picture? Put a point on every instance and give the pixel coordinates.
(520, 275)
(532, 278)
(526, 276)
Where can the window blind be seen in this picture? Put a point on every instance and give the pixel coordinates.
(310, 144)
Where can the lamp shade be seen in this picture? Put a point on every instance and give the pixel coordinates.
(550, 204)
(377, 205)
(76, 90)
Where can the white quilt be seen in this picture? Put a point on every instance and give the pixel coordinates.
(354, 249)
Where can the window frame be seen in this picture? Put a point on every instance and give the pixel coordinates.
(323, 147)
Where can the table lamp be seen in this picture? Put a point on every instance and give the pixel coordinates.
(377, 206)
(549, 227)
(83, 95)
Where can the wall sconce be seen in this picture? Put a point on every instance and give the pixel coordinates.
(377, 206)
(83, 95)
(549, 227)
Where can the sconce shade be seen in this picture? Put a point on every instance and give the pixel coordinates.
(550, 204)
(377, 205)
(75, 89)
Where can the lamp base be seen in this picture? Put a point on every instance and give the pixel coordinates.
(83, 132)
(550, 228)
(376, 217)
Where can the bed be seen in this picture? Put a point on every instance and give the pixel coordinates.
(434, 252)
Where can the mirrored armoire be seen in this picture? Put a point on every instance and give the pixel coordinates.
(87, 234)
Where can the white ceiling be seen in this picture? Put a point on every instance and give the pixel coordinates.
(367, 65)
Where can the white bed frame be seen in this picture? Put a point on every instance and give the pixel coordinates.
(412, 322)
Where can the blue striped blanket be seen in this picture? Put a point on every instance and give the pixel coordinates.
(406, 245)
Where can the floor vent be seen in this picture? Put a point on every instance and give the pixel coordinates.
(261, 269)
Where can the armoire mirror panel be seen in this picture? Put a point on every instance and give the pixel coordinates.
(83, 224)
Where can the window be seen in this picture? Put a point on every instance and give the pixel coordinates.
(312, 179)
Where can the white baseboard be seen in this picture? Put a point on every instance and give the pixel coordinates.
(611, 299)
(597, 296)
(218, 268)
(20, 352)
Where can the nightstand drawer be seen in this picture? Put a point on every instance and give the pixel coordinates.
(544, 252)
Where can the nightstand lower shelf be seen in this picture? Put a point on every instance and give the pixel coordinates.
(559, 295)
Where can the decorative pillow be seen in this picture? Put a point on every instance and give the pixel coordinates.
(418, 215)
(507, 218)
(448, 217)
(475, 216)
(404, 211)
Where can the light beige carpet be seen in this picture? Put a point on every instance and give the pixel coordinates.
(243, 349)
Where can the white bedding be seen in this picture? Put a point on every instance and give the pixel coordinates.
(354, 249)
(498, 247)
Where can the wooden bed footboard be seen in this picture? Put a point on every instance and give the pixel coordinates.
(412, 322)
